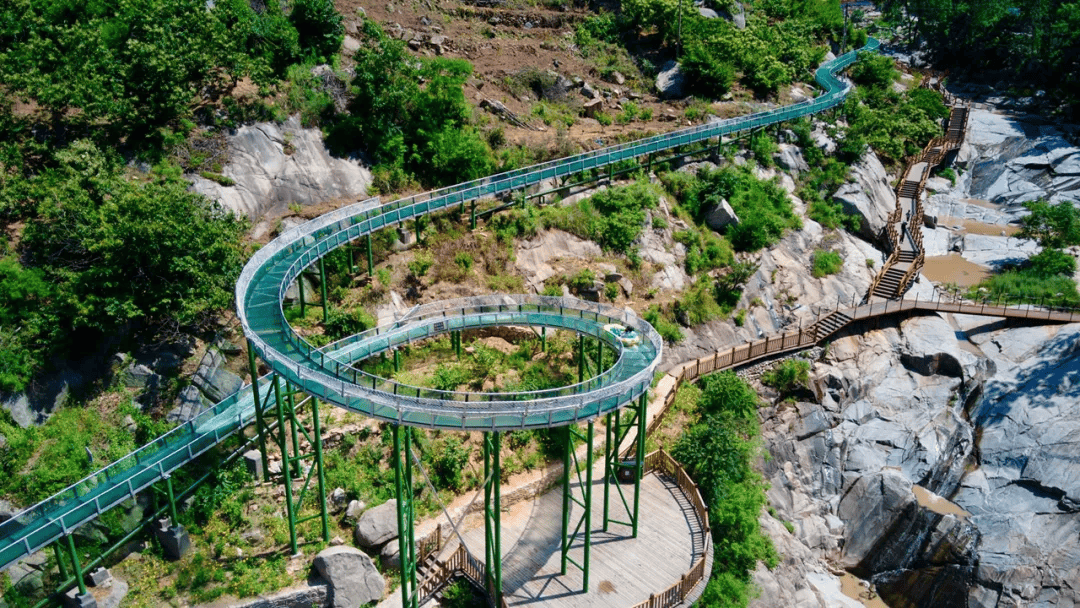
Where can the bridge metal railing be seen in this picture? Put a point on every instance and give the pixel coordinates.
(37, 526)
(304, 245)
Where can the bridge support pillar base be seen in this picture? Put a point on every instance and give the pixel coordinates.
(74, 599)
(175, 542)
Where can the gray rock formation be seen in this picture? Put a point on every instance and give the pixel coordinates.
(790, 158)
(214, 381)
(277, 165)
(537, 258)
(720, 216)
(868, 195)
(353, 579)
(377, 525)
(670, 81)
(1013, 160)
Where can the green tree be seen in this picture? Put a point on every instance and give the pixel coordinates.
(1053, 226)
(120, 250)
(318, 26)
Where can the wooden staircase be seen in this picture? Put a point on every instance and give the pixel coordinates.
(830, 324)
(907, 254)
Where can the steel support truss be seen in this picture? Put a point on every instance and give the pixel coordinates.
(406, 515)
(493, 517)
(582, 498)
(631, 466)
(288, 412)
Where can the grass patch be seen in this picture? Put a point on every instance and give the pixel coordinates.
(826, 263)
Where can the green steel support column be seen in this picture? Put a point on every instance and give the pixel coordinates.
(495, 566)
(370, 257)
(172, 500)
(639, 464)
(581, 359)
(322, 280)
(599, 355)
(609, 420)
(406, 545)
(285, 468)
(588, 508)
(290, 400)
(486, 449)
(75, 564)
(397, 361)
(260, 424)
(300, 286)
(60, 561)
(543, 339)
(568, 452)
(319, 463)
(472, 217)
(352, 258)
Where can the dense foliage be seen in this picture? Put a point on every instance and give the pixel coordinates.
(781, 43)
(101, 251)
(717, 451)
(1038, 40)
(406, 126)
(1046, 277)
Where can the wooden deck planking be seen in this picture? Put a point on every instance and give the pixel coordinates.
(623, 571)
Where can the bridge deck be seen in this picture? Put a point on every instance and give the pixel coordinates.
(623, 571)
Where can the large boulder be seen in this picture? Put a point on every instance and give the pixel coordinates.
(353, 578)
(189, 403)
(720, 216)
(275, 165)
(790, 159)
(871, 506)
(671, 81)
(868, 196)
(378, 525)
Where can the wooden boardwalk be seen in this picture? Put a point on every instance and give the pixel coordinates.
(623, 571)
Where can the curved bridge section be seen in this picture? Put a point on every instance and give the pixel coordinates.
(372, 395)
(259, 295)
(262, 285)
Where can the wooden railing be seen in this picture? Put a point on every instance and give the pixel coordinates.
(699, 572)
(460, 563)
(933, 154)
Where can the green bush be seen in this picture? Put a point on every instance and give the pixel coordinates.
(826, 263)
(698, 304)
(668, 329)
(449, 377)
(788, 375)
(319, 27)
(874, 70)
(421, 263)
(1027, 285)
(763, 146)
(612, 291)
(342, 322)
(613, 218)
(464, 261)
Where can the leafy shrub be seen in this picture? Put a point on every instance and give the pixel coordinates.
(421, 263)
(449, 377)
(341, 322)
(612, 218)
(449, 459)
(612, 291)
(874, 70)
(698, 305)
(826, 263)
(464, 261)
(668, 329)
(740, 317)
(763, 146)
(949, 174)
(319, 27)
(788, 375)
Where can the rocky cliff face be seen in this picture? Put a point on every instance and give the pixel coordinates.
(276, 165)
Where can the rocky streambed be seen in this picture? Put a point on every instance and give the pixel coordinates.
(941, 460)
